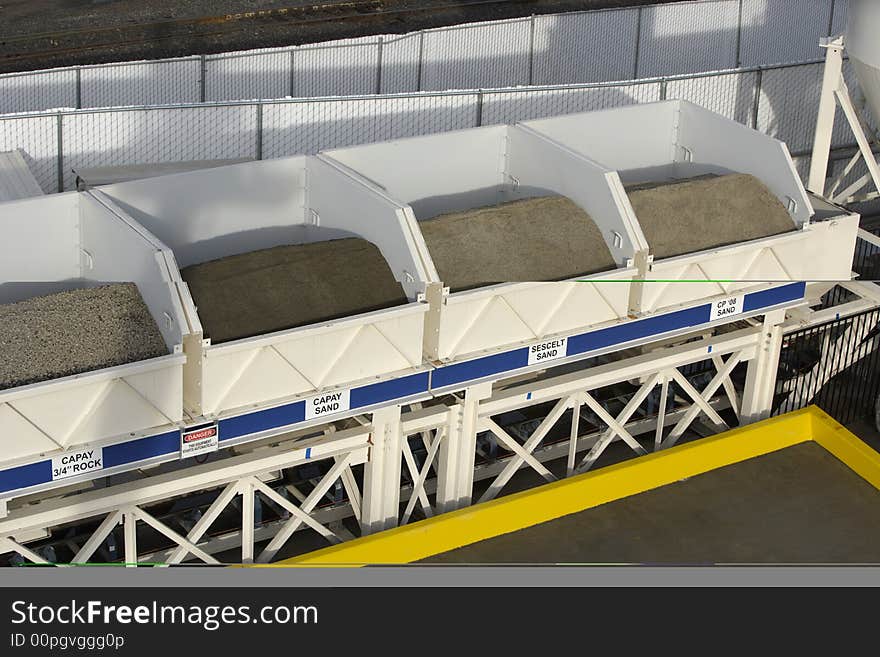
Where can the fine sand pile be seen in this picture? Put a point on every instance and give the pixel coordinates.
(74, 332)
(548, 238)
(288, 286)
(705, 212)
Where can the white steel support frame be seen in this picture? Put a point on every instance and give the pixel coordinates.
(239, 476)
(448, 431)
(573, 391)
(836, 92)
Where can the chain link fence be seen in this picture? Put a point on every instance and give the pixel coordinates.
(781, 101)
(582, 47)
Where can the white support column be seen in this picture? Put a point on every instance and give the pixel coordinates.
(761, 374)
(825, 122)
(467, 444)
(129, 531)
(447, 461)
(247, 523)
(381, 496)
(455, 459)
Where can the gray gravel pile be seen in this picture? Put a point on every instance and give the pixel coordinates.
(706, 212)
(548, 238)
(288, 286)
(74, 332)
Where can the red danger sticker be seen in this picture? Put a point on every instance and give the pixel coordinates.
(199, 434)
(199, 440)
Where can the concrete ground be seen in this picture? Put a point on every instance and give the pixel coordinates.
(46, 33)
(798, 505)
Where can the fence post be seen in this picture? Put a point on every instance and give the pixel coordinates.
(259, 131)
(638, 43)
(292, 73)
(531, 49)
(831, 17)
(739, 29)
(421, 57)
(203, 70)
(78, 87)
(759, 79)
(381, 46)
(663, 84)
(60, 162)
(479, 108)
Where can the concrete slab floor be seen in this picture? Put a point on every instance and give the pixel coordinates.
(798, 505)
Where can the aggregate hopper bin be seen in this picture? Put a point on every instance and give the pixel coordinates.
(720, 204)
(497, 199)
(302, 284)
(69, 263)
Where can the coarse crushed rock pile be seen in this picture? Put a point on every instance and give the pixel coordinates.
(75, 332)
(547, 238)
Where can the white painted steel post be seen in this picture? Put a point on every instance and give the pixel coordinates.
(825, 122)
(455, 466)
(129, 532)
(247, 523)
(381, 496)
(467, 444)
(761, 374)
(447, 462)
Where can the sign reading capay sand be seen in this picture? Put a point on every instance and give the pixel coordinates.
(328, 403)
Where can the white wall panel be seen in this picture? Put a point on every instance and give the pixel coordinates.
(28, 92)
(605, 43)
(309, 127)
(37, 138)
(492, 55)
(782, 31)
(401, 71)
(688, 37)
(838, 21)
(40, 245)
(336, 71)
(154, 83)
(248, 77)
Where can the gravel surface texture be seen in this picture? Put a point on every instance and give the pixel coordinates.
(74, 332)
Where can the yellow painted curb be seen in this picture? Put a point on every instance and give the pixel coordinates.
(482, 521)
